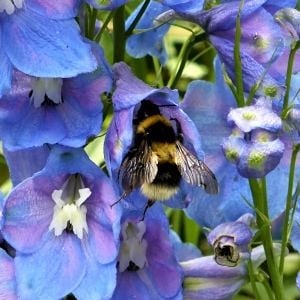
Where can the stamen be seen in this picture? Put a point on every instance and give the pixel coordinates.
(46, 89)
(69, 208)
(9, 6)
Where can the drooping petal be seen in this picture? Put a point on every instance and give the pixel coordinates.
(130, 90)
(53, 271)
(7, 277)
(54, 9)
(149, 42)
(55, 48)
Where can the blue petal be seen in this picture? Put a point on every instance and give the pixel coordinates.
(150, 42)
(24, 163)
(5, 69)
(46, 49)
(53, 271)
(112, 4)
(54, 9)
(188, 6)
(7, 277)
(295, 236)
(99, 281)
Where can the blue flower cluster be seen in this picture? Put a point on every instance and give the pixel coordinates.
(225, 154)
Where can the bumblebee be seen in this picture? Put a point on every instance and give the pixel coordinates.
(158, 160)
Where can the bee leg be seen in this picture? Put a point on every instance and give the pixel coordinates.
(179, 130)
(121, 198)
(148, 205)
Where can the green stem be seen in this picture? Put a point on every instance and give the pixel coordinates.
(259, 195)
(119, 34)
(237, 59)
(288, 207)
(137, 18)
(98, 36)
(253, 280)
(157, 68)
(289, 73)
(183, 56)
(268, 289)
(92, 23)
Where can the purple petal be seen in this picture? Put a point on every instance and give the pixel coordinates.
(238, 230)
(163, 268)
(101, 241)
(28, 211)
(26, 34)
(54, 9)
(53, 271)
(129, 286)
(130, 90)
(7, 277)
(253, 72)
(298, 281)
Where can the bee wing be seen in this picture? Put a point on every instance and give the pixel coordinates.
(195, 171)
(138, 167)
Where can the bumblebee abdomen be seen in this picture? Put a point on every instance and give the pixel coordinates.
(165, 183)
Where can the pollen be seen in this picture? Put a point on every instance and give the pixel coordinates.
(260, 42)
(231, 154)
(270, 91)
(256, 160)
(69, 208)
(248, 115)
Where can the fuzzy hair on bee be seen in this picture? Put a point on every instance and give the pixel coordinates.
(158, 160)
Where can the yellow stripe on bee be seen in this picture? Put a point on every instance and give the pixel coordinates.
(150, 121)
(165, 152)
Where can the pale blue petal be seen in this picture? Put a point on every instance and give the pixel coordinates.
(150, 42)
(53, 271)
(46, 49)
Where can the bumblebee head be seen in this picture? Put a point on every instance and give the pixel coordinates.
(146, 110)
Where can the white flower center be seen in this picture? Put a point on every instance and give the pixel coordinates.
(46, 88)
(9, 6)
(133, 247)
(69, 209)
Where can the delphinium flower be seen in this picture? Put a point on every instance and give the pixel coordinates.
(298, 281)
(7, 277)
(210, 277)
(208, 105)
(230, 240)
(54, 110)
(42, 39)
(254, 145)
(127, 97)
(147, 267)
(263, 48)
(66, 211)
